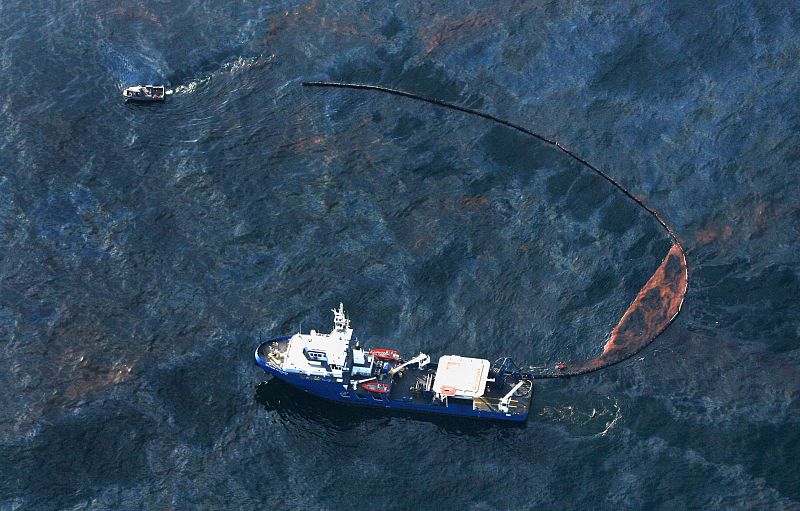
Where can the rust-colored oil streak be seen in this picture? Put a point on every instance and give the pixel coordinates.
(650, 313)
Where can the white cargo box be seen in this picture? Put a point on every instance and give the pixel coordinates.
(461, 376)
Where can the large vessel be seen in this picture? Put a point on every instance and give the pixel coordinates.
(333, 367)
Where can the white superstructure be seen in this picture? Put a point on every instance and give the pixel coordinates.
(319, 354)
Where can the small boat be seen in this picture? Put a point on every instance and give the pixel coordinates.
(376, 387)
(384, 354)
(145, 93)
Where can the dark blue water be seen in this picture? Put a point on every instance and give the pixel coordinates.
(145, 249)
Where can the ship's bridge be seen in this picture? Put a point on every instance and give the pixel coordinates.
(320, 354)
(311, 353)
(461, 376)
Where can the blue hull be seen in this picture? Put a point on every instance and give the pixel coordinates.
(336, 392)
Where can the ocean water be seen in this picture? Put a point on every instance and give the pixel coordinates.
(145, 249)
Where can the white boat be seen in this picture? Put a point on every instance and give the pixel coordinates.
(145, 93)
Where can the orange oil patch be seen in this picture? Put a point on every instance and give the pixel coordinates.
(653, 309)
(711, 235)
(473, 203)
(445, 28)
(275, 27)
(288, 18)
(90, 382)
(138, 13)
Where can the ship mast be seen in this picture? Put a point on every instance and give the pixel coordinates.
(340, 321)
(341, 324)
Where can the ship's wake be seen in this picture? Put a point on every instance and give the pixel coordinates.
(655, 306)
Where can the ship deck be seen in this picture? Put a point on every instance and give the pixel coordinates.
(413, 386)
(273, 352)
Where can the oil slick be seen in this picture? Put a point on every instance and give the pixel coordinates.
(656, 305)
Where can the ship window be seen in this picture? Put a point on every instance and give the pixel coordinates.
(315, 355)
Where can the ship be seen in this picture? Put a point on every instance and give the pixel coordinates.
(334, 367)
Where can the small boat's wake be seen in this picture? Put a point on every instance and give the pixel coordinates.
(655, 306)
(228, 68)
(150, 66)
